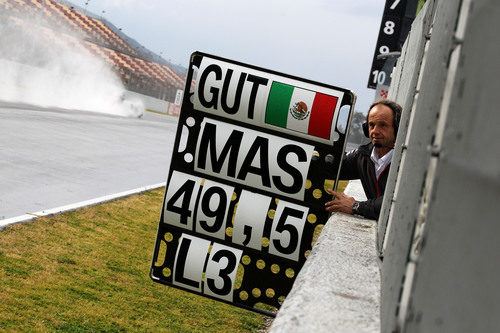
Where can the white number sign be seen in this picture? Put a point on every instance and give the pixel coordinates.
(220, 271)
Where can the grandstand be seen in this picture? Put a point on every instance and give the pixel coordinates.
(59, 21)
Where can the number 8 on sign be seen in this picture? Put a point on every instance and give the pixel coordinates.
(389, 27)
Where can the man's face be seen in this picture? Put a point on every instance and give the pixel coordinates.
(380, 126)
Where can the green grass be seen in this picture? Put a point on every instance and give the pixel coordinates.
(88, 271)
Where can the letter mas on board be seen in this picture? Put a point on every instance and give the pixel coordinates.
(251, 96)
(253, 158)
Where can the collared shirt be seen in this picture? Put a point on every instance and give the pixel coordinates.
(382, 162)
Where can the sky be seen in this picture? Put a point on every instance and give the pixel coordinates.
(329, 41)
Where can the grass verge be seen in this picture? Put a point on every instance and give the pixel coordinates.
(88, 271)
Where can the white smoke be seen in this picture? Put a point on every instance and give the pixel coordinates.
(46, 67)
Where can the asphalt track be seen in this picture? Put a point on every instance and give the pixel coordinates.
(51, 158)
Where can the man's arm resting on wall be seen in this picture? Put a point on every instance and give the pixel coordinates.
(369, 209)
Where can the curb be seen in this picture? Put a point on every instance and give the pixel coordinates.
(67, 208)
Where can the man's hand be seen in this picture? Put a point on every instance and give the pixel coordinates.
(342, 203)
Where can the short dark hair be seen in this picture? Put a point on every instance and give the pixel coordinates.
(396, 109)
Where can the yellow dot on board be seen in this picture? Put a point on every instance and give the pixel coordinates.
(243, 295)
(307, 253)
(311, 218)
(317, 193)
(270, 292)
(240, 273)
(328, 184)
(169, 237)
(234, 197)
(245, 259)
(167, 272)
(256, 292)
(277, 200)
(229, 231)
(162, 254)
(271, 213)
(275, 268)
(290, 273)
(265, 241)
(203, 182)
(260, 264)
(308, 184)
(318, 229)
(342, 185)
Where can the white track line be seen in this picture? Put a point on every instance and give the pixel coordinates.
(62, 209)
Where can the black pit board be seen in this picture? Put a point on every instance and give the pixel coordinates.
(246, 184)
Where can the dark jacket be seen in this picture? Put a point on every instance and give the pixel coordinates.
(358, 165)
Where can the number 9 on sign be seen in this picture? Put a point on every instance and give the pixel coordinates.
(383, 49)
(213, 208)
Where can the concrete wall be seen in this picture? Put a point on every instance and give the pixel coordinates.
(421, 107)
(437, 275)
(439, 226)
(338, 289)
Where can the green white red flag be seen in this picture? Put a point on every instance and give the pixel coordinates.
(300, 110)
